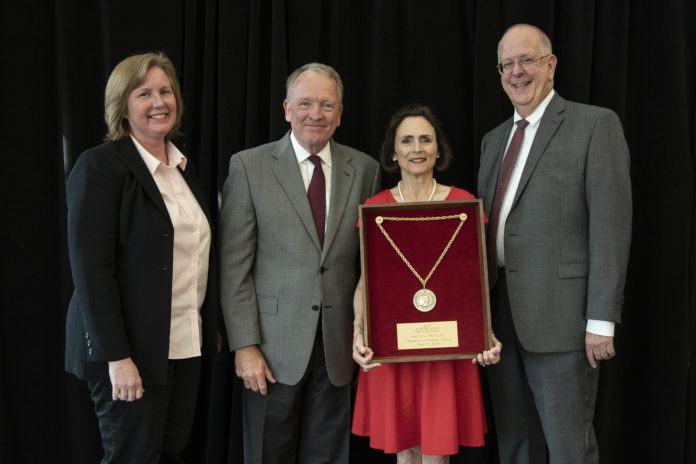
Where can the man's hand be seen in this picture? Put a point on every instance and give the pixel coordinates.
(598, 348)
(251, 367)
(125, 380)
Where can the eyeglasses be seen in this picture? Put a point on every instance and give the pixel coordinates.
(526, 63)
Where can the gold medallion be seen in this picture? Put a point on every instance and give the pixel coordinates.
(424, 300)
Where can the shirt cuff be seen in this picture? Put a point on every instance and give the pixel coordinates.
(605, 328)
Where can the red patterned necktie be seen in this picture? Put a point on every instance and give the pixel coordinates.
(500, 188)
(317, 197)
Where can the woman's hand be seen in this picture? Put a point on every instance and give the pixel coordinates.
(363, 354)
(125, 380)
(491, 356)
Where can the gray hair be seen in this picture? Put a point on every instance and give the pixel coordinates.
(314, 67)
(546, 48)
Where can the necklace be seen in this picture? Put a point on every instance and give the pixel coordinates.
(424, 300)
(401, 194)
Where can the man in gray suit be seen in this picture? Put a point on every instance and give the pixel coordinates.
(289, 254)
(558, 255)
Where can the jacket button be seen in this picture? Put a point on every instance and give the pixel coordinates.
(315, 307)
(89, 342)
(87, 335)
(90, 351)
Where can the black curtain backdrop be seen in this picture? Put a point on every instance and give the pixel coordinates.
(232, 57)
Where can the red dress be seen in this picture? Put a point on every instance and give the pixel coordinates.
(436, 405)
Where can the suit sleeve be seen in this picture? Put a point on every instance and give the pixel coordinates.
(93, 198)
(377, 181)
(609, 203)
(238, 235)
(485, 165)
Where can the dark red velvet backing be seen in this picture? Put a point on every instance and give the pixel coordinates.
(391, 284)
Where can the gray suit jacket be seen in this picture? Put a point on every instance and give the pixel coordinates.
(274, 275)
(567, 236)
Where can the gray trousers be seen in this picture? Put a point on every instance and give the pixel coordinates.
(540, 397)
(307, 423)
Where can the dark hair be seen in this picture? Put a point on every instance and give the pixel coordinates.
(387, 151)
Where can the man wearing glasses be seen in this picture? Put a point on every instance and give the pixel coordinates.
(556, 188)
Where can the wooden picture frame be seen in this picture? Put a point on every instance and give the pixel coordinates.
(397, 257)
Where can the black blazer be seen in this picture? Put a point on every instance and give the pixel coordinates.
(120, 240)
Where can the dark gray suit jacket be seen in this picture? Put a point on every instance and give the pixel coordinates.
(567, 236)
(274, 275)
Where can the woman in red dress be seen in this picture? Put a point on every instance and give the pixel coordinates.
(422, 411)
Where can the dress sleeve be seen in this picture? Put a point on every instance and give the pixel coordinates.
(382, 197)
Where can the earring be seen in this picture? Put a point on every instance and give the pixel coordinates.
(394, 159)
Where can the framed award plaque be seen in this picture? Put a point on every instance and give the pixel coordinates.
(425, 280)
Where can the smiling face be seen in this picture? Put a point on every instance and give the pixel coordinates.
(415, 146)
(526, 89)
(151, 110)
(313, 110)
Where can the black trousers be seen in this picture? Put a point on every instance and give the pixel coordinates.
(155, 428)
(304, 423)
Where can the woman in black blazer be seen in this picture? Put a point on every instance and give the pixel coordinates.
(141, 251)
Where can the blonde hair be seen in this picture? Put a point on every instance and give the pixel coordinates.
(126, 76)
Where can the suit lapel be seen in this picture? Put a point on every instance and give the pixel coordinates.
(342, 176)
(131, 158)
(550, 121)
(499, 149)
(287, 172)
(193, 184)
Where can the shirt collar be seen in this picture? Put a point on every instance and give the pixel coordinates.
(302, 154)
(176, 158)
(534, 118)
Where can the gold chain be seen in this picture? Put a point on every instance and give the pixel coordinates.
(380, 219)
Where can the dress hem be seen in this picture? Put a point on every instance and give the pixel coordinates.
(428, 452)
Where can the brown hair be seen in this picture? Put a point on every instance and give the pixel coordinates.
(126, 76)
(387, 151)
